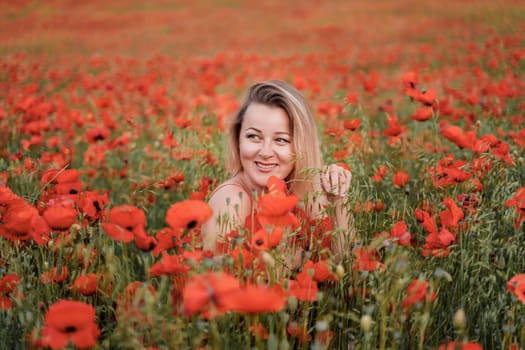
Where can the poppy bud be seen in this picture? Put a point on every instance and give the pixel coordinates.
(366, 322)
(340, 271)
(284, 344)
(268, 259)
(459, 320)
(149, 299)
(109, 254)
(292, 303)
(321, 326)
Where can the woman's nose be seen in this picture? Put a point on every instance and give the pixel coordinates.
(266, 150)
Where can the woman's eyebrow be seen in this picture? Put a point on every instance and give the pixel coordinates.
(252, 128)
(257, 130)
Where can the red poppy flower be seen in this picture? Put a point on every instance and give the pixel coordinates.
(486, 143)
(457, 135)
(172, 181)
(167, 239)
(516, 285)
(352, 124)
(369, 81)
(55, 275)
(518, 202)
(61, 214)
(96, 134)
(400, 232)
(422, 114)
(468, 201)
(351, 98)
(461, 346)
(6, 195)
(124, 222)
(16, 220)
(267, 238)
(275, 184)
(451, 217)
(438, 243)
(409, 80)
(242, 257)
(144, 242)
(92, 204)
(427, 221)
(316, 231)
(86, 284)
(275, 207)
(204, 189)
(340, 154)
(252, 299)
(393, 128)
(418, 291)
(367, 259)
(206, 293)
(63, 181)
(196, 255)
(70, 322)
(400, 179)
(319, 271)
(118, 233)
(60, 176)
(427, 97)
(39, 230)
(259, 240)
(8, 284)
(275, 236)
(188, 214)
(304, 288)
(169, 265)
(5, 302)
(380, 173)
(448, 172)
(168, 140)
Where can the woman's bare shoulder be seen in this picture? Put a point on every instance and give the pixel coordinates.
(229, 193)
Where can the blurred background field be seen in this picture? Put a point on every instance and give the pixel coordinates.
(203, 28)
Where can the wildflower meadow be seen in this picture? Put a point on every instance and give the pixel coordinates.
(113, 122)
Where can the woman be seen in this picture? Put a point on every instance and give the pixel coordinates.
(274, 134)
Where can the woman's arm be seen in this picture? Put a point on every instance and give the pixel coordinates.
(335, 183)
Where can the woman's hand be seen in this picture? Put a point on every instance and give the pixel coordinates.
(335, 181)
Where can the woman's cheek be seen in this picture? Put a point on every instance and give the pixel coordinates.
(286, 154)
(248, 149)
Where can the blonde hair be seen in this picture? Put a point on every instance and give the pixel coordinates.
(305, 140)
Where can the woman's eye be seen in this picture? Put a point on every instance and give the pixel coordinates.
(253, 137)
(282, 140)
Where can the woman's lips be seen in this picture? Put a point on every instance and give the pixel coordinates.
(265, 166)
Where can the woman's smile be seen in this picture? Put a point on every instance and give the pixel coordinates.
(266, 166)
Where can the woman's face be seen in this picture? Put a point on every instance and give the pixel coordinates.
(265, 145)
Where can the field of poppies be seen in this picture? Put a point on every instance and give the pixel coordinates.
(112, 123)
